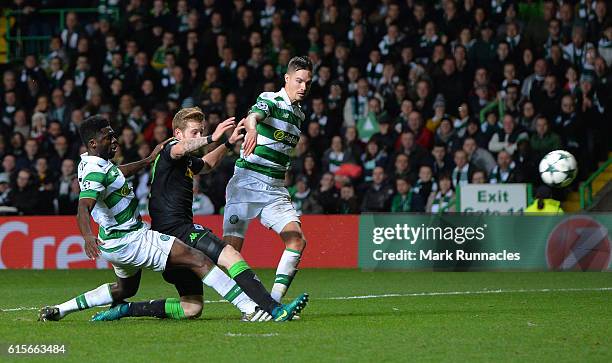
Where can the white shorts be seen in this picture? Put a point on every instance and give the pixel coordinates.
(143, 248)
(249, 197)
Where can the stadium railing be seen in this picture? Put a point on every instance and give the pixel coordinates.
(17, 44)
(586, 188)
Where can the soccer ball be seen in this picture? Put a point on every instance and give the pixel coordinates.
(558, 168)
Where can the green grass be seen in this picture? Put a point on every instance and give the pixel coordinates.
(531, 325)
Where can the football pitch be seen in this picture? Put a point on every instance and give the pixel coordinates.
(352, 316)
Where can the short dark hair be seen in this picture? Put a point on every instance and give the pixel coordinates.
(445, 176)
(91, 126)
(404, 179)
(299, 63)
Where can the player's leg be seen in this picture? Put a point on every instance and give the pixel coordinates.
(235, 222)
(234, 241)
(238, 211)
(287, 268)
(189, 288)
(280, 216)
(184, 256)
(188, 306)
(159, 252)
(204, 240)
(126, 286)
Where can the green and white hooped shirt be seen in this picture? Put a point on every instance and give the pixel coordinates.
(277, 135)
(116, 209)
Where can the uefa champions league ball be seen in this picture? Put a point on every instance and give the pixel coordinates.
(558, 168)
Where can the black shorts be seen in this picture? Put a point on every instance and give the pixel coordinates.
(184, 280)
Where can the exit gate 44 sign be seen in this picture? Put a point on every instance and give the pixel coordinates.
(493, 198)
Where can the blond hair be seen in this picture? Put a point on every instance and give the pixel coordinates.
(185, 115)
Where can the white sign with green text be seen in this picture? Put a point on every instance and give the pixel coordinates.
(493, 198)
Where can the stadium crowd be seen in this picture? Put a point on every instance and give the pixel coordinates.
(409, 98)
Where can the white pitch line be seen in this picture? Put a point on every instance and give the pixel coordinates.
(23, 308)
(414, 294)
(479, 292)
(266, 335)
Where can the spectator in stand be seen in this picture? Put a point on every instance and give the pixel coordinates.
(401, 169)
(544, 140)
(479, 157)
(336, 155)
(549, 99)
(386, 136)
(408, 146)
(439, 113)
(310, 171)
(24, 193)
(352, 142)
(369, 125)
(474, 131)
(5, 190)
(28, 159)
(67, 199)
(423, 136)
(317, 142)
(356, 105)
(327, 195)
(348, 202)
(463, 169)
(442, 200)
(303, 200)
(372, 158)
(377, 197)
(441, 162)
(505, 170)
(46, 190)
(528, 117)
(532, 85)
(424, 185)
(507, 138)
(402, 200)
(478, 177)
(9, 166)
(445, 134)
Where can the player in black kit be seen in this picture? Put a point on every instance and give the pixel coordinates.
(170, 207)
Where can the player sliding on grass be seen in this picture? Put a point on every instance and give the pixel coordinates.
(129, 244)
(257, 187)
(170, 207)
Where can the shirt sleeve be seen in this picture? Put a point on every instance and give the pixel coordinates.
(197, 165)
(92, 184)
(165, 153)
(263, 106)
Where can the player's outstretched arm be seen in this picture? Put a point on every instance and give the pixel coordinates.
(92, 242)
(213, 158)
(132, 168)
(186, 146)
(250, 139)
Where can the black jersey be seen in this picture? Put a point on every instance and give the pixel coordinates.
(172, 190)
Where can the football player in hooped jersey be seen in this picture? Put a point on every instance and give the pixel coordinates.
(130, 245)
(257, 188)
